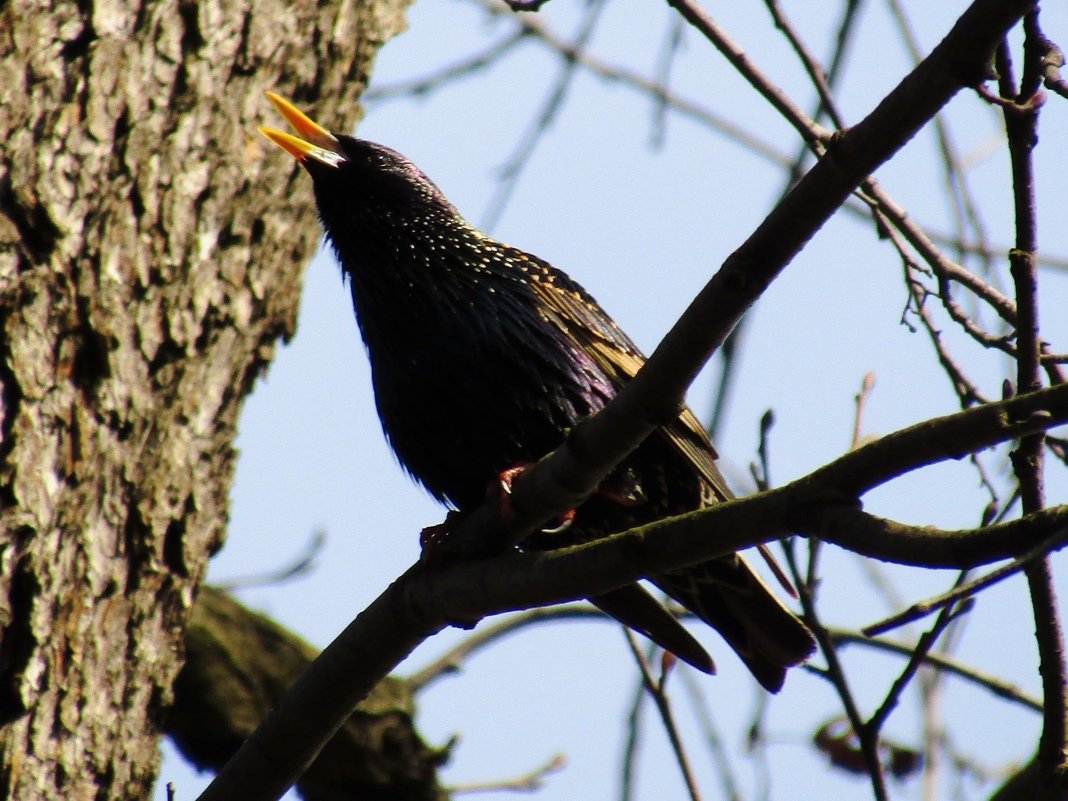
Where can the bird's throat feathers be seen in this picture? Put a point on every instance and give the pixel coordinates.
(406, 250)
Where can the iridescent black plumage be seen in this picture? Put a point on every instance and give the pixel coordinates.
(482, 356)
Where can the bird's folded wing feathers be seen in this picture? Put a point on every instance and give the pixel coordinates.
(578, 314)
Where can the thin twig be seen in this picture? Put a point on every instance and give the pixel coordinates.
(816, 135)
(932, 685)
(878, 580)
(943, 267)
(552, 106)
(732, 351)
(813, 134)
(1050, 59)
(451, 660)
(628, 765)
(924, 608)
(966, 390)
(861, 402)
(964, 207)
(757, 742)
(1022, 132)
(302, 564)
(687, 108)
(946, 664)
(712, 738)
(812, 67)
(656, 692)
(527, 783)
(693, 110)
(923, 647)
(763, 482)
(835, 673)
(464, 68)
(662, 78)
(1001, 342)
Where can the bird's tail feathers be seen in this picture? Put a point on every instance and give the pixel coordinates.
(635, 608)
(730, 597)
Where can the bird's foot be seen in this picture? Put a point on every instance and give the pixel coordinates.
(563, 523)
(432, 536)
(624, 498)
(502, 490)
(623, 488)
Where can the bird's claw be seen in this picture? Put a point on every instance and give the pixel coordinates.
(502, 489)
(565, 521)
(625, 498)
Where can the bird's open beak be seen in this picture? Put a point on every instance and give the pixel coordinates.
(314, 142)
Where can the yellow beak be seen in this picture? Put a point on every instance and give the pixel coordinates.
(314, 142)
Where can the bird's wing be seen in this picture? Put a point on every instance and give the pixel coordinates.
(575, 311)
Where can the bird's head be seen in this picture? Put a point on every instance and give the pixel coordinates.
(355, 178)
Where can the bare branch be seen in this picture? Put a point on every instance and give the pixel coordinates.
(867, 386)
(836, 675)
(712, 738)
(655, 689)
(998, 687)
(1050, 60)
(919, 610)
(815, 72)
(451, 661)
(919, 653)
(809, 130)
(300, 565)
(462, 69)
(551, 107)
(527, 783)
(1021, 126)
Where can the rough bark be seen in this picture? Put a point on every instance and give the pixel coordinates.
(238, 665)
(150, 258)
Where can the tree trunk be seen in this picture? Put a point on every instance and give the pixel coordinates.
(238, 666)
(150, 257)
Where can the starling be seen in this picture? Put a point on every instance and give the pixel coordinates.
(483, 356)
